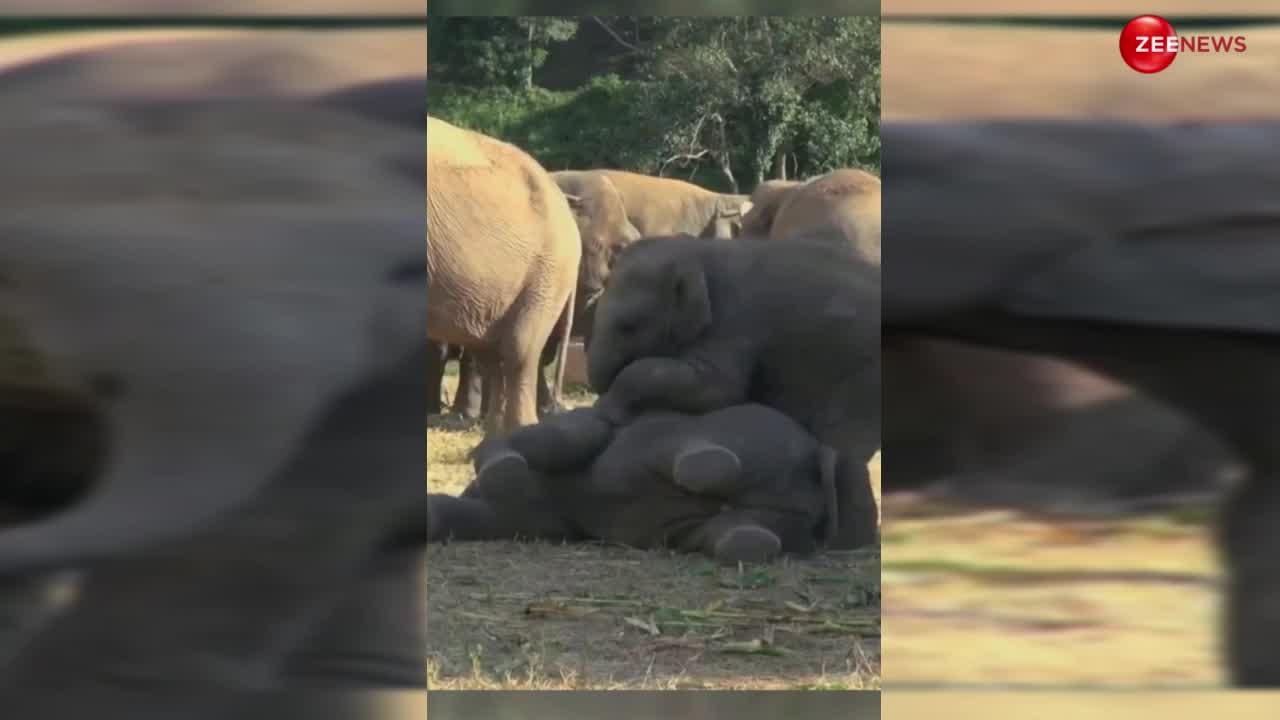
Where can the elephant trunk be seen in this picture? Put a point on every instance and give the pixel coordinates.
(584, 323)
(602, 368)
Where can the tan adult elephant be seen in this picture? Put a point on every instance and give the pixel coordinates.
(503, 251)
(605, 229)
(666, 206)
(767, 197)
(845, 200)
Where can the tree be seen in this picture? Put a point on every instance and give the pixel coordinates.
(726, 101)
(740, 91)
(539, 32)
(494, 50)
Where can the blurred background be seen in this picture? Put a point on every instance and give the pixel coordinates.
(144, 10)
(1045, 525)
(51, 445)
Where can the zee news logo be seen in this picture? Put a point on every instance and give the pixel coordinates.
(1149, 43)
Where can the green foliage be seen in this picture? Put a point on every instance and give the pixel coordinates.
(564, 130)
(494, 50)
(744, 90)
(725, 102)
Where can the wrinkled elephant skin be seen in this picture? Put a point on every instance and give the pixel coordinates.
(502, 255)
(694, 325)
(845, 202)
(740, 484)
(659, 206)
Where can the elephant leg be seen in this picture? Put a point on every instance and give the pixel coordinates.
(735, 536)
(376, 637)
(707, 468)
(460, 518)
(1251, 538)
(484, 515)
(518, 402)
(548, 403)
(468, 401)
(489, 367)
(484, 389)
(436, 359)
(857, 512)
(562, 443)
(854, 433)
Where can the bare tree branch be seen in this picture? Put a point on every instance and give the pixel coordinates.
(614, 35)
(681, 157)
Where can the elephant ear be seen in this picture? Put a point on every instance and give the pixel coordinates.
(828, 460)
(690, 310)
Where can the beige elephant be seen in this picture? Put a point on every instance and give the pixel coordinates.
(503, 252)
(765, 201)
(605, 230)
(666, 206)
(845, 200)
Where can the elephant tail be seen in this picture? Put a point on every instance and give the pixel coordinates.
(562, 352)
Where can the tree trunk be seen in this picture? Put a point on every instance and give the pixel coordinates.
(728, 173)
(780, 166)
(528, 61)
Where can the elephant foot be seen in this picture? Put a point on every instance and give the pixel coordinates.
(705, 468)
(747, 544)
(505, 470)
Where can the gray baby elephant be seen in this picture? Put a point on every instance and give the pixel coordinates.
(742, 484)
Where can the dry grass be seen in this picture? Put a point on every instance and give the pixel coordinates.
(997, 598)
(510, 615)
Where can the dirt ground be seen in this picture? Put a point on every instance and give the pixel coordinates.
(551, 616)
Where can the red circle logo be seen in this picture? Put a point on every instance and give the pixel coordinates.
(1148, 44)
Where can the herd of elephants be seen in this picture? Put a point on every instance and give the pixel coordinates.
(247, 437)
(1048, 308)
(690, 320)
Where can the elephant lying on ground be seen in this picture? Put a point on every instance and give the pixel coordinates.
(741, 484)
(845, 201)
(694, 325)
(502, 259)
(667, 206)
(1149, 253)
